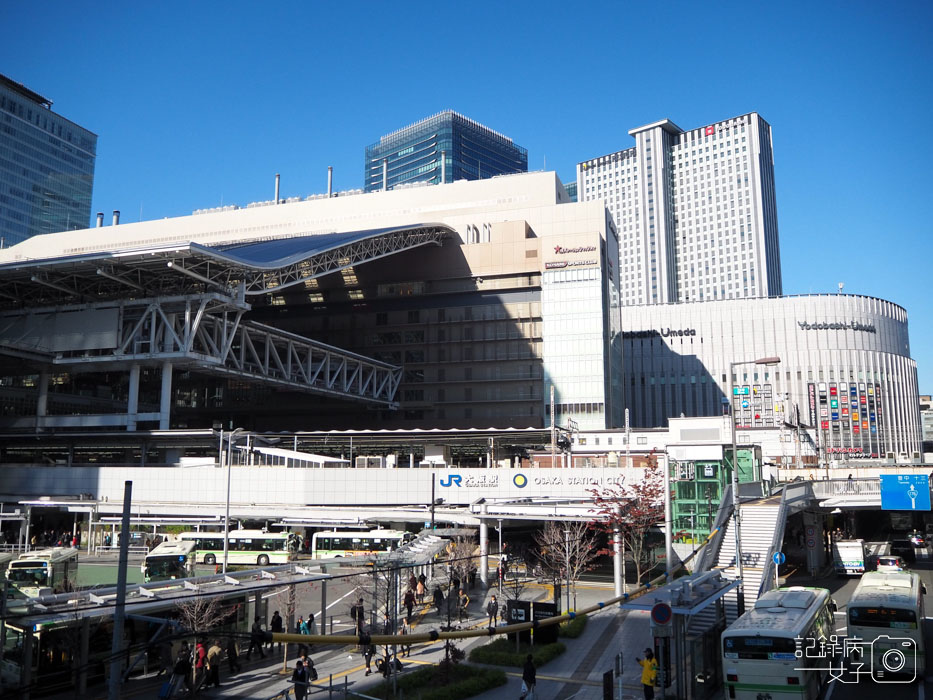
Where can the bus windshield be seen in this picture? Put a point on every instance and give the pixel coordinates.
(897, 618)
(21, 574)
(758, 647)
(165, 567)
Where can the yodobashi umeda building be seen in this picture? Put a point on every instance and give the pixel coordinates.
(845, 368)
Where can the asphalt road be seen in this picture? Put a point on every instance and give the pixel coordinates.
(842, 590)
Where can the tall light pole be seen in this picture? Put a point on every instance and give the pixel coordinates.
(736, 516)
(230, 437)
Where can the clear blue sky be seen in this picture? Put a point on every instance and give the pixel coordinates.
(198, 104)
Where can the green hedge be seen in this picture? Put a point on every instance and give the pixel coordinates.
(572, 628)
(502, 652)
(430, 683)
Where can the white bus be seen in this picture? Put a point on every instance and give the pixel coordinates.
(246, 547)
(170, 560)
(760, 652)
(886, 613)
(352, 543)
(44, 571)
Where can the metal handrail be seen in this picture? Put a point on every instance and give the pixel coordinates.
(708, 557)
(847, 487)
(791, 494)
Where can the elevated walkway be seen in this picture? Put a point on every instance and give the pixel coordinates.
(762, 525)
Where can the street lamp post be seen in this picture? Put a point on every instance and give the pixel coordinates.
(736, 516)
(230, 437)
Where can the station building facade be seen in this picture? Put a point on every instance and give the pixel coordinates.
(845, 368)
(520, 298)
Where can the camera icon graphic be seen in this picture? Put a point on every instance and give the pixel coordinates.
(893, 659)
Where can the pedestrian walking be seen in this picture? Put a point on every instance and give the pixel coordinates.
(200, 664)
(368, 655)
(419, 591)
(409, 602)
(649, 671)
(462, 601)
(358, 615)
(438, 599)
(276, 626)
(529, 678)
(412, 581)
(183, 669)
(405, 631)
(492, 609)
(255, 639)
(214, 657)
(300, 679)
(233, 656)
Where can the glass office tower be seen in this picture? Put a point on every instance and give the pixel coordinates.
(46, 167)
(444, 148)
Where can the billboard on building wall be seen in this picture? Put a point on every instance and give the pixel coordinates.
(811, 395)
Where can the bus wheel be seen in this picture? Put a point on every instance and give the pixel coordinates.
(210, 559)
(263, 560)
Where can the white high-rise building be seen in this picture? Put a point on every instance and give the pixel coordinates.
(695, 211)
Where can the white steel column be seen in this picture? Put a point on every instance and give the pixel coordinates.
(484, 549)
(42, 405)
(132, 404)
(165, 403)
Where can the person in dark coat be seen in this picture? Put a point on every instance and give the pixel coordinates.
(529, 676)
(183, 669)
(255, 639)
(410, 602)
(492, 609)
(358, 615)
(300, 679)
(276, 625)
(438, 599)
(368, 655)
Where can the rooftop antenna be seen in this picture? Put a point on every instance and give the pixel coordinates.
(841, 285)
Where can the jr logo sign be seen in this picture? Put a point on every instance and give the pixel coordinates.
(452, 480)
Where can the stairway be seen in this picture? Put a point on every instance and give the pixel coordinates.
(759, 523)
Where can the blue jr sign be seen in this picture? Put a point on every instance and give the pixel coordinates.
(905, 492)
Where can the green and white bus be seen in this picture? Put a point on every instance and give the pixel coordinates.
(353, 543)
(760, 654)
(44, 571)
(886, 614)
(245, 547)
(170, 560)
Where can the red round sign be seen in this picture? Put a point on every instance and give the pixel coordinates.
(661, 614)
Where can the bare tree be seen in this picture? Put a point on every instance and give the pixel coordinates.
(634, 510)
(461, 555)
(198, 616)
(565, 551)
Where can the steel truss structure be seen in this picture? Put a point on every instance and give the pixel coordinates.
(207, 333)
(183, 305)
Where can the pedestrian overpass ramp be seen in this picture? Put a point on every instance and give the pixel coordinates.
(763, 520)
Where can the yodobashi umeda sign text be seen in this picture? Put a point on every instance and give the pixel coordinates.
(660, 332)
(837, 326)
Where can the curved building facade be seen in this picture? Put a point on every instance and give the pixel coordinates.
(845, 368)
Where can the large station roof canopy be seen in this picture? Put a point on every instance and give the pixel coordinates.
(252, 267)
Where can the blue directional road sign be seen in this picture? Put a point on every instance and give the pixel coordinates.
(905, 492)
(778, 558)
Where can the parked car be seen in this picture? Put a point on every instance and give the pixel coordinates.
(886, 562)
(904, 549)
(917, 539)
